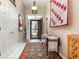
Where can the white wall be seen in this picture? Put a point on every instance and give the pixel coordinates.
(71, 28)
(9, 25)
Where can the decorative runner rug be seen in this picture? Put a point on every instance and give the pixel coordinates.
(37, 51)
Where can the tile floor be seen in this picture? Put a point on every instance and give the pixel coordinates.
(16, 52)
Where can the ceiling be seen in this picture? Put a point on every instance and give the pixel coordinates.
(39, 3)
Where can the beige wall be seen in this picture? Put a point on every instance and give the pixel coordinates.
(71, 28)
(21, 10)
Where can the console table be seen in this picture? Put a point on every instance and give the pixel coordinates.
(52, 39)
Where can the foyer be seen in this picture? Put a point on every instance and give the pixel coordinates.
(31, 29)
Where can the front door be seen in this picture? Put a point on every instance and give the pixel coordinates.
(35, 29)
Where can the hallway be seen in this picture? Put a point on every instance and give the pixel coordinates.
(35, 50)
(49, 27)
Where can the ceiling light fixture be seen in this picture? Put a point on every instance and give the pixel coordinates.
(34, 7)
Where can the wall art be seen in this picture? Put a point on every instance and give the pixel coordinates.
(20, 23)
(58, 12)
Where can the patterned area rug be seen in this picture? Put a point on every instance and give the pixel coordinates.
(37, 51)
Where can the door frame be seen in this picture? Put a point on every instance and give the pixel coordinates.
(31, 28)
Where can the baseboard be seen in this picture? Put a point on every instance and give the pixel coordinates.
(63, 57)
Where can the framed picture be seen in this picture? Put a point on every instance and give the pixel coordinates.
(58, 13)
(20, 23)
(13, 2)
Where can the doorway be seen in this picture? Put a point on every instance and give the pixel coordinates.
(35, 29)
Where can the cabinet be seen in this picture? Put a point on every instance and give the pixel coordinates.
(73, 46)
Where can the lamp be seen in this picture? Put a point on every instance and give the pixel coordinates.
(34, 8)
